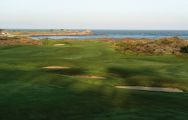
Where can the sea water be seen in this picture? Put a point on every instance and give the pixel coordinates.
(119, 34)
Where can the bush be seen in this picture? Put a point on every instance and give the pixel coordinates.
(184, 49)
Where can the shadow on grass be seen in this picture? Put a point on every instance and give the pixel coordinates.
(9, 75)
(144, 76)
(52, 97)
(70, 71)
(124, 72)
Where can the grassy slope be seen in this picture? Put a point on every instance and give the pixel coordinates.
(28, 92)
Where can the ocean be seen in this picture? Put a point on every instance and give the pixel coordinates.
(119, 34)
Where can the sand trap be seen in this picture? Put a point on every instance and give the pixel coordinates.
(90, 76)
(56, 67)
(59, 44)
(154, 89)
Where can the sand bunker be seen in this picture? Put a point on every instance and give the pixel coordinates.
(154, 89)
(59, 44)
(90, 76)
(56, 67)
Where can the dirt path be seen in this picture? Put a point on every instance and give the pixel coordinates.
(154, 89)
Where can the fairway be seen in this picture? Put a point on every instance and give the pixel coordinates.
(76, 80)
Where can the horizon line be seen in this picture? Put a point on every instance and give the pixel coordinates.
(91, 29)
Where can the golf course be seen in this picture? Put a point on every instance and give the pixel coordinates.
(85, 80)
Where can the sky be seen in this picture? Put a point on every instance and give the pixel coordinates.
(94, 14)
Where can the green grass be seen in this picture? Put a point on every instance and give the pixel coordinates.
(28, 92)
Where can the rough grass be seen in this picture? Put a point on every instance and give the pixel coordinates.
(28, 92)
(15, 40)
(162, 46)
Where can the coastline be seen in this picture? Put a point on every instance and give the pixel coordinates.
(52, 33)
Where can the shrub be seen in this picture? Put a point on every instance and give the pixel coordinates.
(184, 49)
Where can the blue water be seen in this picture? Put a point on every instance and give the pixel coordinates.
(118, 34)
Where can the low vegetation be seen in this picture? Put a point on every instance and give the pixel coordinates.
(14, 40)
(163, 46)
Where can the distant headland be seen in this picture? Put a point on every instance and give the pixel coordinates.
(51, 32)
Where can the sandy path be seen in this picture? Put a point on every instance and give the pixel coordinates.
(154, 89)
(56, 67)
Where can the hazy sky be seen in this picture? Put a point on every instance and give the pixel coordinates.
(94, 14)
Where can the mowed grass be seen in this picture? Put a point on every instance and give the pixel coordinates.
(29, 92)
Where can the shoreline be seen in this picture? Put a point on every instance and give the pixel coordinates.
(53, 33)
(101, 39)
